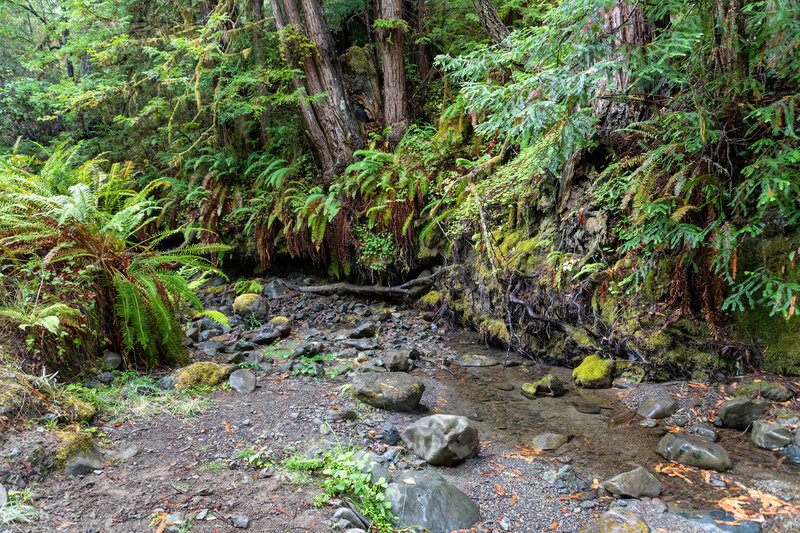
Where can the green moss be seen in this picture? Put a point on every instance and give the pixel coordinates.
(243, 302)
(580, 337)
(219, 289)
(359, 62)
(70, 444)
(498, 329)
(200, 374)
(12, 394)
(594, 372)
(780, 338)
(660, 340)
(431, 299)
(547, 386)
(279, 320)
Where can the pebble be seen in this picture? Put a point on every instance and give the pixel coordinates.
(240, 521)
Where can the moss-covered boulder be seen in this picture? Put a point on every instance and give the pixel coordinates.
(547, 386)
(76, 410)
(13, 393)
(70, 444)
(594, 373)
(204, 373)
(777, 392)
(250, 304)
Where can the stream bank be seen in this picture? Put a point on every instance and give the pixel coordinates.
(190, 464)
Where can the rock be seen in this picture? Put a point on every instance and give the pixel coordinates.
(391, 435)
(770, 435)
(717, 521)
(703, 430)
(240, 521)
(693, 451)
(549, 441)
(547, 386)
(586, 407)
(394, 391)
(661, 406)
(111, 360)
(242, 381)
(204, 373)
(364, 330)
(792, 454)
(618, 521)
(274, 289)
(362, 345)
(565, 474)
(343, 514)
(395, 361)
(442, 440)
(348, 415)
(594, 373)
(425, 499)
(741, 412)
(634, 484)
(193, 334)
(474, 360)
(248, 305)
(83, 462)
(122, 454)
(174, 522)
(308, 350)
(3, 496)
(770, 390)
(278, 328)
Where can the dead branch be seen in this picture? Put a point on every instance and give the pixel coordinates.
(402, 290)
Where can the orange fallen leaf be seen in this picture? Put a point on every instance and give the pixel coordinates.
(500, 490)
(228, 427)
(513, 500)
(554, 525)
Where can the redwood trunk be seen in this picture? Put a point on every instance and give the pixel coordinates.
(391, 42)
(491, 22)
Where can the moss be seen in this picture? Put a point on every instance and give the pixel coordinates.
(547, 386)
(243, 302)
(431, 299)
(658, 341)
(594, 372)
(781, 339)
(219, 289)
(359, 62)
(202, 373)
(12, 394)
(70, 444)
(83, 412)
(580, 337)
(279, 320)
(498, 329)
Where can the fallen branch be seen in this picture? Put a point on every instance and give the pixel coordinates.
(369, 290)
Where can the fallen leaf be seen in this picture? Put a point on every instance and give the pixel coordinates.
(228, 427)
(500, 490)
(554, 525)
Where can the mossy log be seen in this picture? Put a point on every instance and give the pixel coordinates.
(404, 290)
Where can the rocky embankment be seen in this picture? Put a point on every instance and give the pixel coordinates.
(467, 438)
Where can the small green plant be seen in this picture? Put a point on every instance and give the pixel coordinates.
(255, 457)
(18, 508)
(246, 286)
(210, 467)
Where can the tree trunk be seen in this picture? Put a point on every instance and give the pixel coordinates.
(331, 123)
(391, 42)
(256, 9)
(491, 22)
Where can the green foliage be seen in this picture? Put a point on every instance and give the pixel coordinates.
(76, 261)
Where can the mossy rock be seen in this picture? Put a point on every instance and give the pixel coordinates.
(201, 374)
(547, 386)
(279, 321)
(13, 393)
(219, 289)
(70, 444)
(497, 329)
(431, 299)
(247, 304)
(75, 410)
(594, 373)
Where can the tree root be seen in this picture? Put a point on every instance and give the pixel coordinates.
(402, 290)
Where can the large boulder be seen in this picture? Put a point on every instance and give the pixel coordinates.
(634, 484)
(443, 440)
(618, 521)
(395, 391)
(741, 412)
(249, 304)
(770, 435)
(547, 386)
(425, 499)
(549, 441)
(594, 373)
(201, 374)
(693, 451)
(243, 381)
(660, 406)
(770, 390)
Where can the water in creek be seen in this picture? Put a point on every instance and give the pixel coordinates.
(605, 437)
